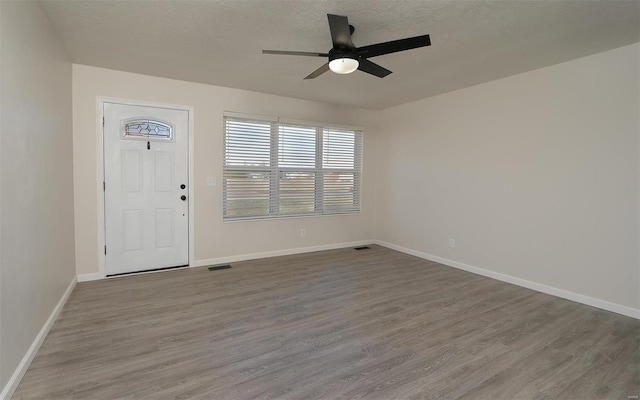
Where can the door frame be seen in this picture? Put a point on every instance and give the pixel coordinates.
(100, 165)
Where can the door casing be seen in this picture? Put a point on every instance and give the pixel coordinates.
(100, 100)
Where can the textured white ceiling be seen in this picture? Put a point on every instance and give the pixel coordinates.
(220, 42)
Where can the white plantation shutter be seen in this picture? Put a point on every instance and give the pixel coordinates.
(276, 169)
(341, 169)
(296, 147)
(297, 193)
(247, 143)
(247, 168)
(297, 169)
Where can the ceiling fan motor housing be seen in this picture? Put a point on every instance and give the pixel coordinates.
(335, 54)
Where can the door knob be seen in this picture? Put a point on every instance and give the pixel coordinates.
(183, 197)
(183, 186)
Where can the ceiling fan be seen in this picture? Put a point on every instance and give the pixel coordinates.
(345, 57)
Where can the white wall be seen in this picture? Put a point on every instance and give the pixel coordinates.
(536, 176)
(213, 238)
(37, 256)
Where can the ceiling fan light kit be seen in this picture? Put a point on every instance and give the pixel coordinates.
(344, 57)
(343, 63)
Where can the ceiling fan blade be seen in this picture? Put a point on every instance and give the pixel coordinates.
(318, 72)
(394, 46)
(372, 68)
(340, 31)
(295, 53)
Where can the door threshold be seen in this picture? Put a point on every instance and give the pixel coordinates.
(146, 271)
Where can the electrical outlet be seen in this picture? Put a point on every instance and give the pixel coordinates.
(452, 243)
(211, 181)
(303, 232)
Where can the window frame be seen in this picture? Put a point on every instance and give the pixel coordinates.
(274, 171)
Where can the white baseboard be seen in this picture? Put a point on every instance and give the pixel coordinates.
(90, 277)
(15, 379)
(565, 294)
(277, 253)
(554, 291)
(244, 257)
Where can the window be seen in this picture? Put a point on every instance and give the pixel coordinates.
(279, 169)
(147, 129)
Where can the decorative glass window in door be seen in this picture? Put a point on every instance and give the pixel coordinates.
(148, 129)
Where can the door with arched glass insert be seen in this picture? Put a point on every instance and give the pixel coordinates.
(146, 194)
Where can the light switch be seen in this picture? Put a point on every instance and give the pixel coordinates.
(211, 181)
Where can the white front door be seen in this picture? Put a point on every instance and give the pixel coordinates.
(146, 168)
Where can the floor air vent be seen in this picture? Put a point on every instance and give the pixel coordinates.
(362, 248)
(217, 267)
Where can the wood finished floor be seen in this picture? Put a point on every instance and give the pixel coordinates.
(340, 324)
